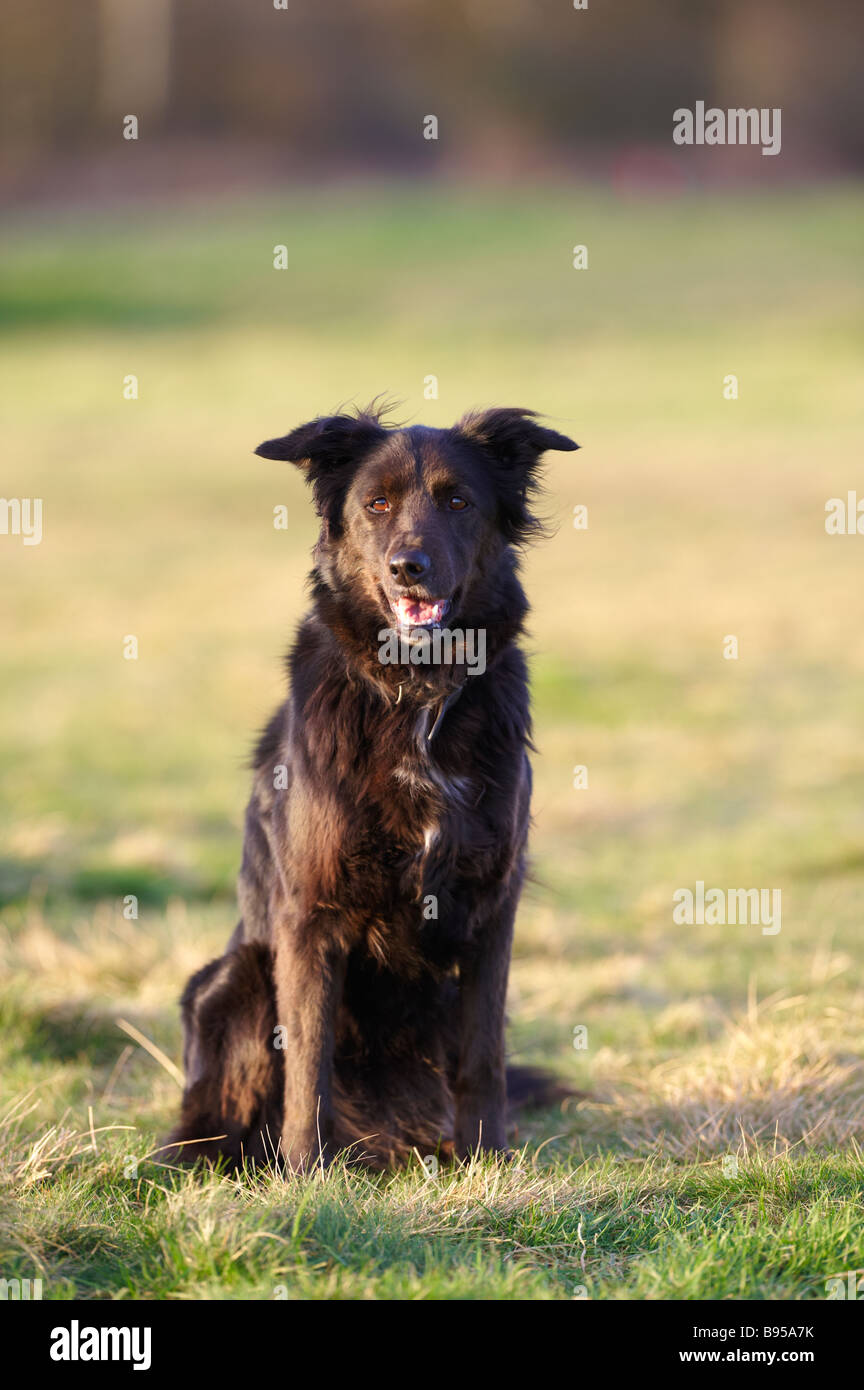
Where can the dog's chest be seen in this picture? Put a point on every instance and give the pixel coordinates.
(421, 834)
(426, 807)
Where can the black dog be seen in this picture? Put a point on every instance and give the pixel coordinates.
(360, 1002)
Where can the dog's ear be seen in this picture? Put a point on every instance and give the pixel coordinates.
(514, 442)
(513, 435)
(328, 450)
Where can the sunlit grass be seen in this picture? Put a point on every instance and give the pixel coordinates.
(706, 518)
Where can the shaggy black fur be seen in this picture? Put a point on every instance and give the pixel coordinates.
(360, 1002)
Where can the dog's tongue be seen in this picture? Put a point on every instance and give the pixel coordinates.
(419, 613)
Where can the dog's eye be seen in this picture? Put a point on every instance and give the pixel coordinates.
(379, 504)
(457, 503)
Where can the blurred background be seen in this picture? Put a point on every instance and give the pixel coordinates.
(232, 95)
(441, 272)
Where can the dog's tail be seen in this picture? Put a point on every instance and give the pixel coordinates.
(534, 1088)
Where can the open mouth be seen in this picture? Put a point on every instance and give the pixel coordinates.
(420, 612)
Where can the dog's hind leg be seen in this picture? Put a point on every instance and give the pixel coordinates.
(232, 1102)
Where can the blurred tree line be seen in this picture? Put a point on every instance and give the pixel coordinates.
(348, 82)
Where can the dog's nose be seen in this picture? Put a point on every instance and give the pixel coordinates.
(409, 566)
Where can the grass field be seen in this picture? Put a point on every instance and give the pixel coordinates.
(716, 1151)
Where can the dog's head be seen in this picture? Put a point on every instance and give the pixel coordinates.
(418, 521)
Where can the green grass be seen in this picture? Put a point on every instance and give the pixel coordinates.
(706, 517)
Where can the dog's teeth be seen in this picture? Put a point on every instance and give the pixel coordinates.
(417, 613)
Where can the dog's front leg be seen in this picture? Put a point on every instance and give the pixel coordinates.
(480, 1085)
(309, 984)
